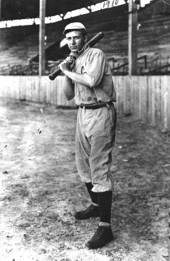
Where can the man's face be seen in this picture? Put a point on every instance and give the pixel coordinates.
(75, 40)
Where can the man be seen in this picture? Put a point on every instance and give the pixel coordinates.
(88, 79)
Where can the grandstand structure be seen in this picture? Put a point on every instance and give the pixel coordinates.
(19, 45)
(145, 95)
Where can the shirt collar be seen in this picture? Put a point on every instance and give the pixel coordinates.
(85, 47)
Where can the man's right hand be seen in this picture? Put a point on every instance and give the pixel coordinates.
(64, 66)
(71, 62)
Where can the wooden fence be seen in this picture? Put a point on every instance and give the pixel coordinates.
(146, 97)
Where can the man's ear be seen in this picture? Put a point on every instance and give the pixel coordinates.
(85, 39)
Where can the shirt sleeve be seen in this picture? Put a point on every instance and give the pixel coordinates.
(95, 66)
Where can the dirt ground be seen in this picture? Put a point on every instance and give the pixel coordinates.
(40, 189)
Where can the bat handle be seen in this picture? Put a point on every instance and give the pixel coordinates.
(53, 75)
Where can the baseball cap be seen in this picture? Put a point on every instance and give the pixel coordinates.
(74, 26)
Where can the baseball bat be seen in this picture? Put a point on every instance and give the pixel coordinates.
(90, 43)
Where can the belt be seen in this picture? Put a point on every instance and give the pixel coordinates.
(95, 106)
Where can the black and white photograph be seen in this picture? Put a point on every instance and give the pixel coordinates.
(84, 130)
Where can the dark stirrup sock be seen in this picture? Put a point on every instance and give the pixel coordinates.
(93, 195)
(105, 204)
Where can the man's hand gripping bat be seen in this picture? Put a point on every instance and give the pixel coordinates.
(72, 57)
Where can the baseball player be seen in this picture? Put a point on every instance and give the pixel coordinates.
(88, 79)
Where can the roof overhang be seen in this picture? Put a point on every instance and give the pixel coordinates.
(20, 9)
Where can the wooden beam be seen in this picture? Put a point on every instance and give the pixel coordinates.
(132, 38)
(0, 10)
(42, 38)
(169, 239)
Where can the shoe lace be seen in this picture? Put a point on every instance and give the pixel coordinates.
(98, 232)
(91, 207)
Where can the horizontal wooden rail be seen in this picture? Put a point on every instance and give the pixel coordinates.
(143, 57)
(159, 69)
